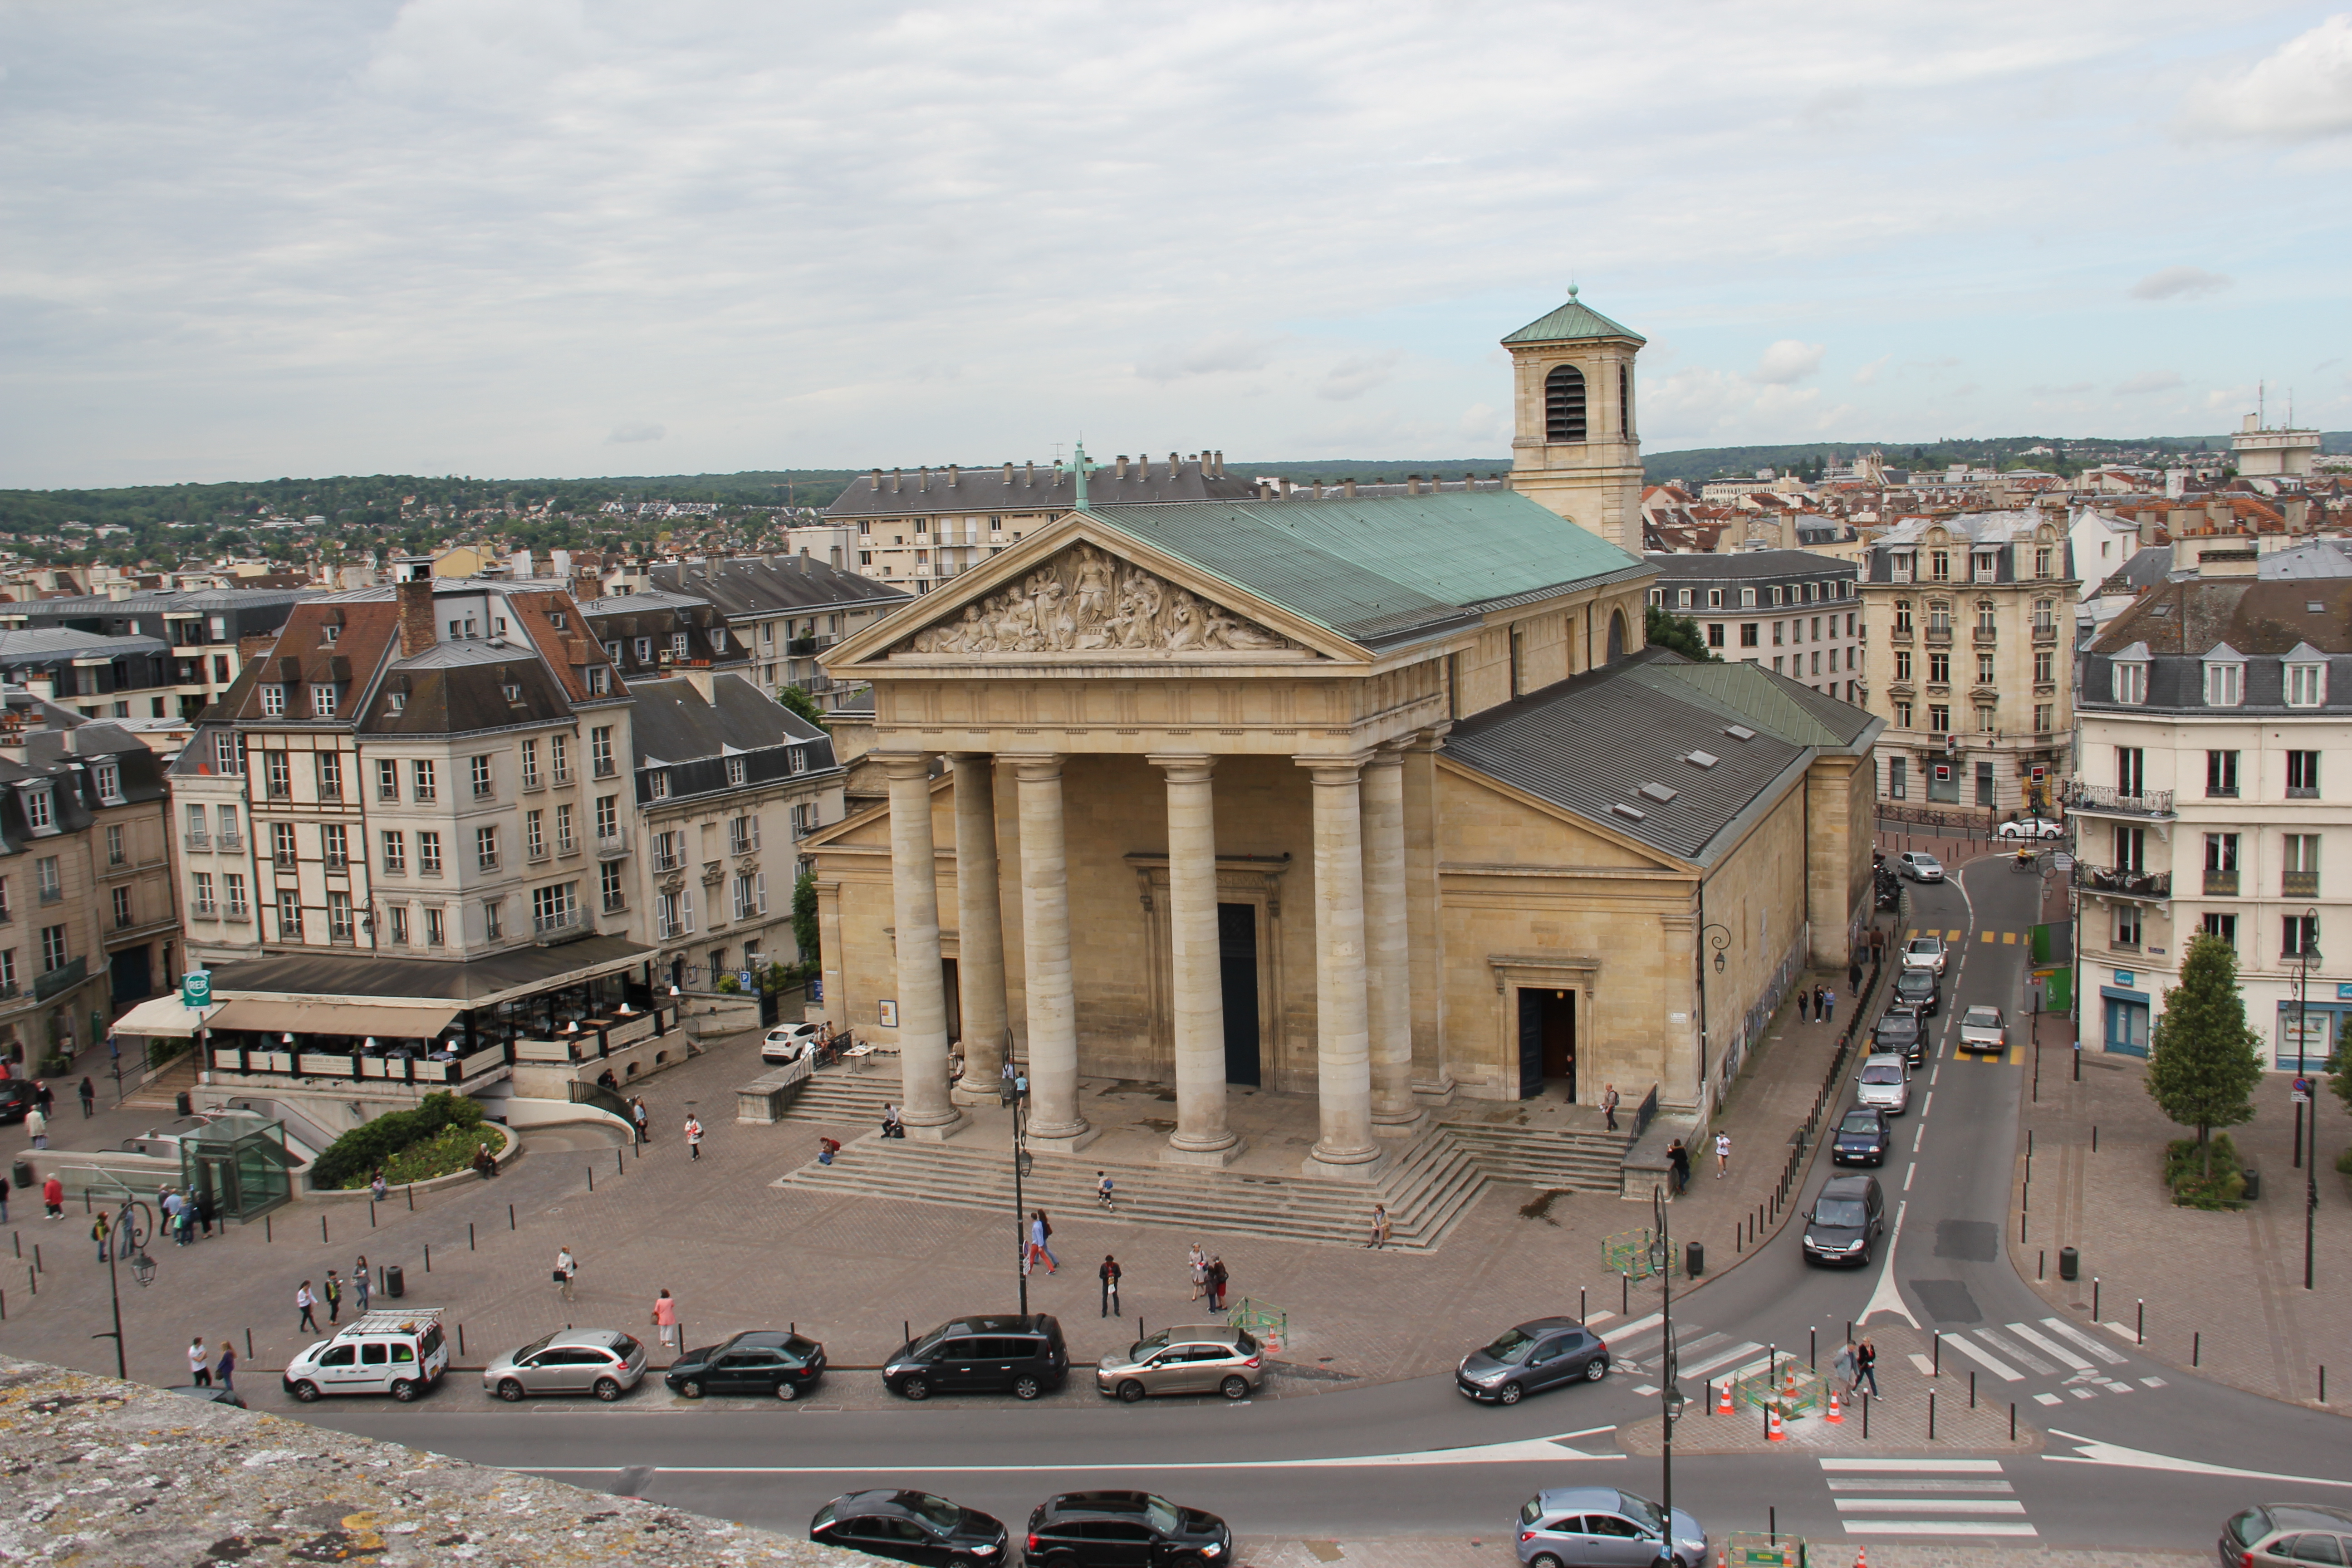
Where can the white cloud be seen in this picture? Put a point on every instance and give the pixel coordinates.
(1868, 375)
(2148, 380)
(2180, 283)
(633, 431)
(2302, 91)
(1789, 361)
(1351, 378)
(1221, 354)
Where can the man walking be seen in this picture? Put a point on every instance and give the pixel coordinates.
(99, 1233)
(1608, 1104)
(1110, 1272)
(1722, 1156)
(1678, 1162)
(306, 1301)
(88, 1100)
(1829, 1005)
(200, 1371)
(1846, 1367)
(334, 1292)
(1102, 1190)
(693, 1136)
(38, 1126)
(225, 1368)
(644, 1121)
(1865, 1363)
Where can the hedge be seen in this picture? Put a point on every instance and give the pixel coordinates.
(359, 1151)
(2184, 1172)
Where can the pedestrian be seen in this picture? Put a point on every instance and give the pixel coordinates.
(361, 1281)
(333, 1291)
(666, 1319)
(99, 1231)
(1005, 1087)
(225, 1368)
(1829, 1005)
(1110, 1272)
(826, 1148)
(53, 1197)
(377, 1185)
(1866, 1365)
(1722, 1156)
(169, 1200)
(38, 1126)
(566, 1267)
(4, 1185)
(1853, 974)
(48, 1097)
(484, 1166)
(185, 1233)
(693, 1136)
(1198, 1262)
(1846, 1367)
(88, 1100)
(1678, 1164)
(306, 1301)
(1217, 1277)
(199, 1369)
(1608, 1104)
(1381, 1229)
(893, 1125)
(204, 1206)
(1102, 1190)
(1041, 1230)
(644, 1121)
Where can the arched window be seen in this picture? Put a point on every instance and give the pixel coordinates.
(1986, 618)
(1564, 404)
(1616, 636)
(1625, 400)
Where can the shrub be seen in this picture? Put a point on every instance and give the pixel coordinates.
(2184, 1172)
(730, 984)
(2343, 1161)
(359, 1151)
(446, 1151)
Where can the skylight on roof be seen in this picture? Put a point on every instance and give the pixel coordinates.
(1740, 732)
(1631, 813)
(1656, 791)
(2314, 606)
(1701, 758)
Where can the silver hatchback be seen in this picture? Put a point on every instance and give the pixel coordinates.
(1201, 1358)
(605, 1363)
(1600, 1527)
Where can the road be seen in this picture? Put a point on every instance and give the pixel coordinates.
(2142, 1463)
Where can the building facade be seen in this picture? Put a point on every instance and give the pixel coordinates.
(653, 632)
(783, 611)
(1792, 609)
(203, 630)
(1966, 621)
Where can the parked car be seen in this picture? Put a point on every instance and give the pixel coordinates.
(1919, 992)
(1984, 1029)
(1124, 1530)
(1862, 1138)
(1198, 1358)
(1535, 1355)
(1571, 1526)
(399, 1352)
(771, 1362)
(2288, 1532)
(605, 1363)
(788, 1043)
(1925, 952)
(1919, 866)
(16, 1099)
(1900, 1034)
(912, 1527)
(1885, 1085)
(1849, 1215)
(2032, 827)
(1020, 1356)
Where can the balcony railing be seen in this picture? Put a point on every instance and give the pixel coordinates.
(52, 895)
(1987, 636)
(534, 781)
(616, 902)
(561, 925)
(604, 767)
(562, 776)
(2220, 884)
(567, 845)
(199, 839)
(489, 862)
(64, 977)
(2123, 881)
(535, 853)
(205, 910)
(228, 843)
(2098, 797)
(1939, 636)
(2046, 633)
(669, 862)
(2298, 884)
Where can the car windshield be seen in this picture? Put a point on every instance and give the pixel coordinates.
(1859, 1122)
(1897, 1026)
(1161, 1513)
(1641, 1511)
(1142, 1348)
(535, 1346)
(1846, 1212)
(1925, 861)
(938, 1510)
(1983, 1018)
(1916, 980)
(1881, 1072)
(1512, 1347)
(1927, 944)
(931, 1341)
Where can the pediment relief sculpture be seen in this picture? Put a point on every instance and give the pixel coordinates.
(1086, 600)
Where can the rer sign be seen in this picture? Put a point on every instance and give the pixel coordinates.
(197, 988)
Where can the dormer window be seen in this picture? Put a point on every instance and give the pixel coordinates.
(2130, 676)
(1987, 565)
(106, 778)
(273, 703)
(1901, 565)
(332, 633)
(1940, 565)
(2306, 684)
(658, 783)
(396, 702)
(1746, 598)
(2225, 676)
(1776, 595)
(735, 770)
(40, 812)
(718, 639)
(322, 700)
(1715, 598)
(1682, 598)
(555, 619)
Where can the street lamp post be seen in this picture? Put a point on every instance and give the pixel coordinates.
(127, 1236)
(1719, 936)
(1670, 1397)
(2310, 947)
(1020, 1169)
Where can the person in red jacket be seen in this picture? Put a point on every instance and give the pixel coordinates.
(53, 1194)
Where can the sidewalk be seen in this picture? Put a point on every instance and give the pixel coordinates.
(1490, 1552)
(2222, 1291)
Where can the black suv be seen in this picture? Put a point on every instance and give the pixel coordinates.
(1125, 1530)
(912, 1527)
(1846, 1218)
(1919, 991)
(768, 1362)
(1900, 1034)
(1020, 1356)
(1862, 1138)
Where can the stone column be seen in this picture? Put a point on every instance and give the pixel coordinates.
(1432, 1082)
(1343, 1076)
(922, 988)
(979, 926)
(1054, 1118)
(1197, 977)
(1681, 1073)
(1388, 978)
(835, 1009)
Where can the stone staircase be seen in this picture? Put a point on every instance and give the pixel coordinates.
(840, 1098)
(1542, 1156)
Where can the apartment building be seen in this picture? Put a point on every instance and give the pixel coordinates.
(2215, 794)
(650, 631)
(201, 629)
(1966, 624)
(1790, 609)
(783, 610)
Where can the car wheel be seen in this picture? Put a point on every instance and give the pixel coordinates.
(1543, 1560)
(404, 1389)
(307, 1392)
(1131, 1390)
(1234, 1387)
(1025, 1388)
(788, 1391)
(1596, 1369)
(607, 1390)
(1509, 1394)
(691, 1389)
(917, 1388)
(511, 1391)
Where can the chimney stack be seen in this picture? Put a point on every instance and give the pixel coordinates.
(897, 476)
(1008, 476)
(877, 481)
(1122, 465)
(2298, 512)
(1143, 468)
(415, 616)
(1220, 463)
(1029, 472)
(1348, 488)
(955, 475)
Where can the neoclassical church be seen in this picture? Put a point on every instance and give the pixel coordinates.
(1379, 802)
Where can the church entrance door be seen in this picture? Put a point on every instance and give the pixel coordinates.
(1546, 1040)
(1237, 970)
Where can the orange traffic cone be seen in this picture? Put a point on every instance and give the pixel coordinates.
(1725, 1408)
(1772, 1432)
(1836, 1417)
(1862, 1557)
(1791, 1385)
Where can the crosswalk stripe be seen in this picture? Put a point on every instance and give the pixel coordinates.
(1634, 1329)
(1992, 1363)
(1701, 1368)
(2023, 1358)
(1935, 1527)
(1914, 1484)
(1705, 1342)
(1594, 1320)
(2047, 1399)
(2008, 939)
(1941, 1505)
(2077, 1336)
(1952, 936)
(1913, 1467)
(2040, 1342)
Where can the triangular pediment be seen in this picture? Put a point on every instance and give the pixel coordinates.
(1086, 601)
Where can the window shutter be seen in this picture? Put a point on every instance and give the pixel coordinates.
(686, 909)
(761, 883)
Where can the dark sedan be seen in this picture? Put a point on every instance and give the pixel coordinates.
(1862, 1138)
(1535, 1355)
(770, 1362)
(1125, 1530)
(912, 1527)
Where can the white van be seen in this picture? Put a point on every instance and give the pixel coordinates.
(400, 1353)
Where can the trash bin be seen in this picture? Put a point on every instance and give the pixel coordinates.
(23, 1174)
(394, 1285)
(2070, 1263)
(2253, 1180)
(1694, 1260)
(185, 1105)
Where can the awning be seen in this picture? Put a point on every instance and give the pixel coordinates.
(163, 1015)
(304, 1015)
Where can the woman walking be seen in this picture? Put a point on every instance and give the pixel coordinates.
(666, 1319)
(1865, 1363)
(566, 1269)
(1040, 1231)
(360, 1280)
(1846, 1367)
(1216, 1284)
(226, 1370)
(1198, 1262)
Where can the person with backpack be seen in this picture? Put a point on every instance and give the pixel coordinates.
(334, 1293)
(1103, 1190)
(99, 1231)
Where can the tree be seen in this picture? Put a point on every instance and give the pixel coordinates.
(2204, 1062)
(804, 932)
(802, 703)
(1680, 633)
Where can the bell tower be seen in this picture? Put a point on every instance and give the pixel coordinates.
(1574, 444)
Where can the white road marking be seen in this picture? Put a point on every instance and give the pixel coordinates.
(1926, 1105)
(1932, 1526)
(2042, 1342)
(2047, 1399)
(1646, 1390)
(1909, 1172)
(2077, 1336)
(1926, 1368)
(1904, 1467)
(2023, 1357)
(1627, 1331)
(2091, 1451)
(1992, 1363)
(2152, 1383)
(1885, 1296)
(1701, 1368)
(1914, 1484)
(1593, 1318)
(1940, 1505)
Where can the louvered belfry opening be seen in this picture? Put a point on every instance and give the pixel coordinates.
(1564, 404)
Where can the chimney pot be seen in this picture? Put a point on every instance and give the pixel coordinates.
(898, 477)
(877, 481)
(955, 474)
(415, 615)
(1008, 474)
(1029, 471)
(1172, 464)
(1143, 468)
(1122, 465)
(1348, 488)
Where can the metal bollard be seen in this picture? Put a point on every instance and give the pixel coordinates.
(323, 1239)
(1972, 1390)
(1931, 1416)
(412, 1197)
(249, 1345)
(2139, 1324)
(2094, 1298)
(428, 1257)
(470, 1235)
(371, 1214)
(2195, 1347)
(510, 1219)
(461, 1340)
(592, 1178)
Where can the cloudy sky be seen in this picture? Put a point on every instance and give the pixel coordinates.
(526, 237)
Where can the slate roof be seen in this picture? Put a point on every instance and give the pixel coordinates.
(2257, 617)
(672, 723)
(469, 984)
(1750, 564)
(1657, 708)
(644, 601)
(1383, 571)
(50, 644)
(752, 586)
(910, 493)
(1570, 322)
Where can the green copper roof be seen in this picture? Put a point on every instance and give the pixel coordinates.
(1572, 321)
(1380, 571)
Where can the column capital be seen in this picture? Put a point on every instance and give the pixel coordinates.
(1034, 767)
(1429, 738)
(1388, 754)
(960, 758)
(1184, 767)
(902, 766)
(1335, 768)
